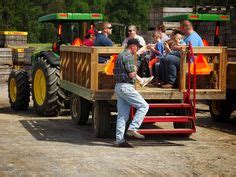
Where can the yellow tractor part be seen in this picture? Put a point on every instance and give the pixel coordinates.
(39, 87)
(13, 90)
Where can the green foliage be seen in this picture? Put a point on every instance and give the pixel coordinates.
(129, 12)
(22, 15)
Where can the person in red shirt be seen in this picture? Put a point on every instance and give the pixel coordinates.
(89, 38)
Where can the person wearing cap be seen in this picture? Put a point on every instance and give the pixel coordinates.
(125, 75)
(132, 30)
(89, 38)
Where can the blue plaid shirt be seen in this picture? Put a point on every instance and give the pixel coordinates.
(123, 66)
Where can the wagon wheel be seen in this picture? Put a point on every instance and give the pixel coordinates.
(79, 108)
(220, 110)
(102, 119)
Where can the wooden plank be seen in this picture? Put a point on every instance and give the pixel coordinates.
(66, 65)
(79, 74)
(231, 54)
(92, 71)
(83, 69)
(74, 67)
(224, 69)
(72, 60)
(231, 75)
(177, 9)
(109, 50)
(87, 71)
(220, 72)
(95, 52)
(101, 67)
(182, 76)
(163, 94)
(231, 63)
(77, 89)
(207, 50)
(72, 48)
(100, 50)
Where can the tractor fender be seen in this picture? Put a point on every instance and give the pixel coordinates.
(52, 58)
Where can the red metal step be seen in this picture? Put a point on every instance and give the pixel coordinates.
(152, 119)
(166, 131)
(169, 105)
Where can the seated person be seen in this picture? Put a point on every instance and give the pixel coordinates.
(157, 51)
(102, 39)
(173, 61)
(177, 39)
(162, 29)
(132, 30)
(161, 70)
(89, 38)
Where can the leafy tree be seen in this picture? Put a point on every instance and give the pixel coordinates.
(6, 14)
(23, 14)
(129, 12)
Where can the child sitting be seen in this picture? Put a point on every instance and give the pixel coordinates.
(177, 38)
(157, 50)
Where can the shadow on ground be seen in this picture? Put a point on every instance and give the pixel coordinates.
(228, 126)
(29, 113)
(63, 130)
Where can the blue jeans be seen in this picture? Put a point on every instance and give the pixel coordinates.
(162, 70)
(173, 63)
(127, 96)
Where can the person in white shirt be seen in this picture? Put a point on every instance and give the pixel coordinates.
(162, 30)
(132, 30)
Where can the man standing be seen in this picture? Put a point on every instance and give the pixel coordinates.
(102, 38)
(125, 75)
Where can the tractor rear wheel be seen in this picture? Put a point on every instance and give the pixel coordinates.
(19, 90)
(47, 95)
(79, 108)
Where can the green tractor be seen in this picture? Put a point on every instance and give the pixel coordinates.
(42, 76)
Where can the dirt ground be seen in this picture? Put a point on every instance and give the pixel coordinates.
(43, 146)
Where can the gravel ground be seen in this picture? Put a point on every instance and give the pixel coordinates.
(43, 146)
